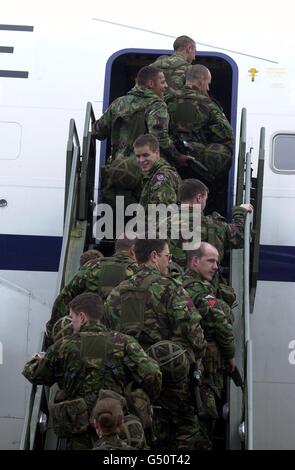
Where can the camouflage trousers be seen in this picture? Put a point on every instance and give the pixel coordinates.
(176, 425)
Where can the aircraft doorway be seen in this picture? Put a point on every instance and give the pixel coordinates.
(121, 70)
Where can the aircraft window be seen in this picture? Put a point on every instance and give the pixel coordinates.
(10, 138)
(283, 153)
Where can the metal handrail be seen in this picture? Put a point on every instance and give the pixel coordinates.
(88, 164)
(241, 158)
(72, 179)
(257, 219)
(248, 359)
(70, 216)
(73, 142)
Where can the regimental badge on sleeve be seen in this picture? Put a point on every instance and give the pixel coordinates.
(160, 177)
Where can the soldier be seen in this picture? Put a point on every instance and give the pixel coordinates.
(141, 111)
(108, 421)
(132, 430)
(91, 359)
(220, 351)
(160, 179)
(214, 228)
(175, 66)
(199, 122)
(153, 307)
(100, 276)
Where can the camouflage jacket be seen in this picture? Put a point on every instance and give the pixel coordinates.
(168, 312)
(87, 279)
(160, 185)
(141, 111)
(214, 230)
(112, 442)
(93, 359)
(174, 68)
(199, 121)
(214, 321)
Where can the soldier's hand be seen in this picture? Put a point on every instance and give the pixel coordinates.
(231, 365)
(38, 356)
(248, 207)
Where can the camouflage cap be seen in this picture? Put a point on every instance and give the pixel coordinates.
(62, 328)
(124, 173)
(172, 360)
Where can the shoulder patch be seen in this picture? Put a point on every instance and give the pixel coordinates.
(211, 300)
(160, 177)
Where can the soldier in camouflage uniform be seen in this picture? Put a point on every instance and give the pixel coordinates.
(98, 276)
(132, 430)
(141, 111)
(108, 421)
(214, 228)
(152, 307)
(91, 359)
(160, 179)
(176, 66)
(220, 351)
(200, 122)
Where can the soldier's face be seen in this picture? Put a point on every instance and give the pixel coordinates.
(159, 85)
(77, 320)
(191, 53)
(146, 157)
(163, 259)
(204, 83)
(202, 200)
(206, 265)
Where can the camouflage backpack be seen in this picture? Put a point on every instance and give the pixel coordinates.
(133, 303)
(122, 178)
(132, 432)
(112, 273)
(130, 125)
(172, 360)
(69, 417)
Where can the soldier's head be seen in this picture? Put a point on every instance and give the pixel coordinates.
(147, 151)
(154, 253)
(186, 46)
(89, 255)
(193, 191)
(85, 307)
(151, 77)
(125, 243)
(108, 416)
(199, 76)
(204, 260)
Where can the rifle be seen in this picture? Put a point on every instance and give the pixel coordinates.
(236, 377)
(199, 169)
(195, 378)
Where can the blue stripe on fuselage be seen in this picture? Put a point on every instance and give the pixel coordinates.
(277, 263)
(41, 253)
(29, 253)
